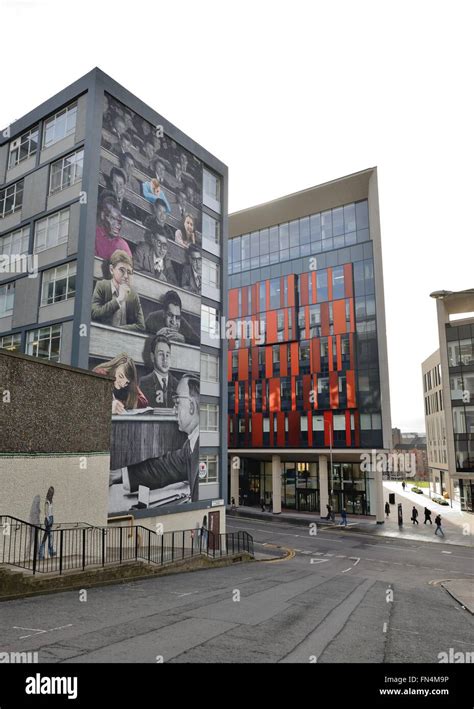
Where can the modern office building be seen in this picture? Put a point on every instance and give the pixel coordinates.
(308, 374)
(448, 386)
(112, 239)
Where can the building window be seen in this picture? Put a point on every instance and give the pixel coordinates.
(338, 282)
(209, 320)
(44, 343)
(212, 469)
(12, 343)
(11, 199)
(209, 367)
(211, 190)
(60, 125)
(7, 297)
(66, 172)
(211, 229)
(210, 273)
(209, 417)
(23, 147)
(16, 243)
(52, 230)
(59, 284)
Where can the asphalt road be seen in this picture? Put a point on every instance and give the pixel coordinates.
(343, 597)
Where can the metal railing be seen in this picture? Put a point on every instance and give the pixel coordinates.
(65, 548)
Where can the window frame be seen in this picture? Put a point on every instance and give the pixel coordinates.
(53, 120)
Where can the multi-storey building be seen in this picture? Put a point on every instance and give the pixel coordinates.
(448, 386)
(112, 239)
(307, 369)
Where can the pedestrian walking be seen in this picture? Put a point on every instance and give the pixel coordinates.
(387, 510)
(414, 515)
(403, 486)
(438, 525)
(48, 525)
(329, 509)
(333, 516)
(428, 516)
(343, 517)
(232, 504)
(262, 504)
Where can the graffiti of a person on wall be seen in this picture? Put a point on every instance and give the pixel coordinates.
(48, 523)
(114, 302)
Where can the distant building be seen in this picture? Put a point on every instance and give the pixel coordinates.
(413, 444)
(448, 386)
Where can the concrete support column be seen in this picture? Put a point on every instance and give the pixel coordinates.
(234, 484)
(379, 503)
(323, 485)
(276, 484)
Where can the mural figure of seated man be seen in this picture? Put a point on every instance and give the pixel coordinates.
(151, 256)
(169, 321)
(107, 234)
(159, 387)
(156, 223)
(192, 271)
(114, 302)
(181, 465)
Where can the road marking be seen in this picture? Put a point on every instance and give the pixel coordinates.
(385, 627)
(327, 554)
(355, 558)
(38, 631)
(350, 567)
(317, 561)
(446, 552)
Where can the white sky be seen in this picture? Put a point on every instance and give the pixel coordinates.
(290, 95)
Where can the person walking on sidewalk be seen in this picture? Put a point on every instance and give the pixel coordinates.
(428, 516)
(387, 510)
(343, 517)
(329, 509)
(414, 515)
(232, 504)
(262, 504)
(438, 525)
(403, 486)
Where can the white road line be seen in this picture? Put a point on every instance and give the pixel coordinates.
(385, 627)
(355, 558)
(317, 561)
(327, 554)
(37, 631)
(350, 567)
(446, 552)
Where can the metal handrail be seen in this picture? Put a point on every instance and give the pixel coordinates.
(24, 544)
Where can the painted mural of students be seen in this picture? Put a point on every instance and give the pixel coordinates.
(127, 394)
(151, 256)
(169, 321)
(186, 235)
(114, 302)
(191, 278)
(160, 386)
(109, 225)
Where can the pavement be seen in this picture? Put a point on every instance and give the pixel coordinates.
(458, 526)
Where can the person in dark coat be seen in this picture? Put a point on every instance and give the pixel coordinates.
(428, 516)
(159, 387)
(414, 515)
(387, 510)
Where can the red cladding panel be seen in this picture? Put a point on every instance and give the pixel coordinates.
(268, 362)
(284, 360)
(280, 430)
(324, 319)
(315, 350)
(291, 290)
(348, 290)
(272, 326)
(253, 404)
(294, 429)
(313, 282)
(307, 405)
(339, 313)
(351, 393)
(245, 300)
(310, 429)
(333, 390)
(293, 393)
(304, 289)
(328, 428)
(338, 353)
(275, 403)
(348, 428)
(295, 364)
(243, 365)
(229, 366)
(330, 354)
(234, 303)
(255, 363)
(351, 310)
(257, 431)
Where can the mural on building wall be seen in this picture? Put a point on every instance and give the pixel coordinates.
(146, 309)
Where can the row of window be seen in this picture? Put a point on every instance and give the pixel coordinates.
(58, 284)
(368, 422)
(212, 469)
(432, 378)
(56, 127)
(332, 229)
(65, 172)
(434, 403)
(48, 232)
(461, 352)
